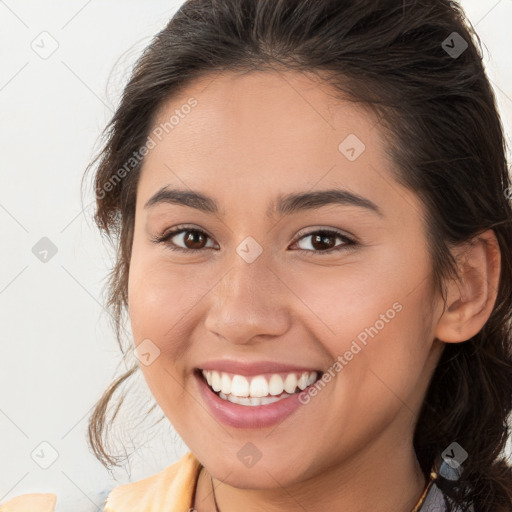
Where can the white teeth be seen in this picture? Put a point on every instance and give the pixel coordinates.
(226, 384)
(252, 401)
(275, 385)
(303, 381)
(239, 386)
(253, 389)
(259, 386)
(290, 383)
(311, 379)
(216, 382)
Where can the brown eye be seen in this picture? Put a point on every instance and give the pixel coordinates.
(194, 239)
(185, 239)
(324, 241)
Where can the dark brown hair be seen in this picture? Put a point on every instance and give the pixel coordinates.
(444, 135)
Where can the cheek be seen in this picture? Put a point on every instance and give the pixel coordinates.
(374, 313)
(162, 297)
(364, 290)
(158, 302)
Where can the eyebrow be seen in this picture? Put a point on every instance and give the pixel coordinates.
(285, 204)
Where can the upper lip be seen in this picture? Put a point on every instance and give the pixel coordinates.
(253, 368)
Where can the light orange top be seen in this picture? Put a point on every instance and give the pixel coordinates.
(38, 502)
(172, 490)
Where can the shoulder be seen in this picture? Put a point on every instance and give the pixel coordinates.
(170, 489)
(38, 502)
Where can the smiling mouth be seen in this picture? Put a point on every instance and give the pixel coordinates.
(257, 390)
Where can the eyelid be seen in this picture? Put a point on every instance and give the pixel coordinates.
(316, 229)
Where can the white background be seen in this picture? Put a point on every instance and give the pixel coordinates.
(58, 353)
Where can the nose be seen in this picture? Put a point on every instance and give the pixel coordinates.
(251, 301)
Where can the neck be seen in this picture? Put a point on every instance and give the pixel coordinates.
(389, 481)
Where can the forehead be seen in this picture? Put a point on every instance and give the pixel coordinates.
(261, 133)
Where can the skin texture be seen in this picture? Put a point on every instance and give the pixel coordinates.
(250, 138)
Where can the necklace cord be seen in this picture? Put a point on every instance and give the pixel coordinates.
(417, 507)
(214, 499)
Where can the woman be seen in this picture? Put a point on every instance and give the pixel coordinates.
(310, 201)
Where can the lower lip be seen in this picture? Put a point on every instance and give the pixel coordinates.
(244, 416)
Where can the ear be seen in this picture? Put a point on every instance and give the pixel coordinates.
(471, 297)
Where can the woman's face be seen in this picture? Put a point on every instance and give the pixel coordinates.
(277, 276)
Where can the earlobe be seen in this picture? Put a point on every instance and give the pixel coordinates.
(471, 297)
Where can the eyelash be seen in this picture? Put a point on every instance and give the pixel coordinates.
(165, 239)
